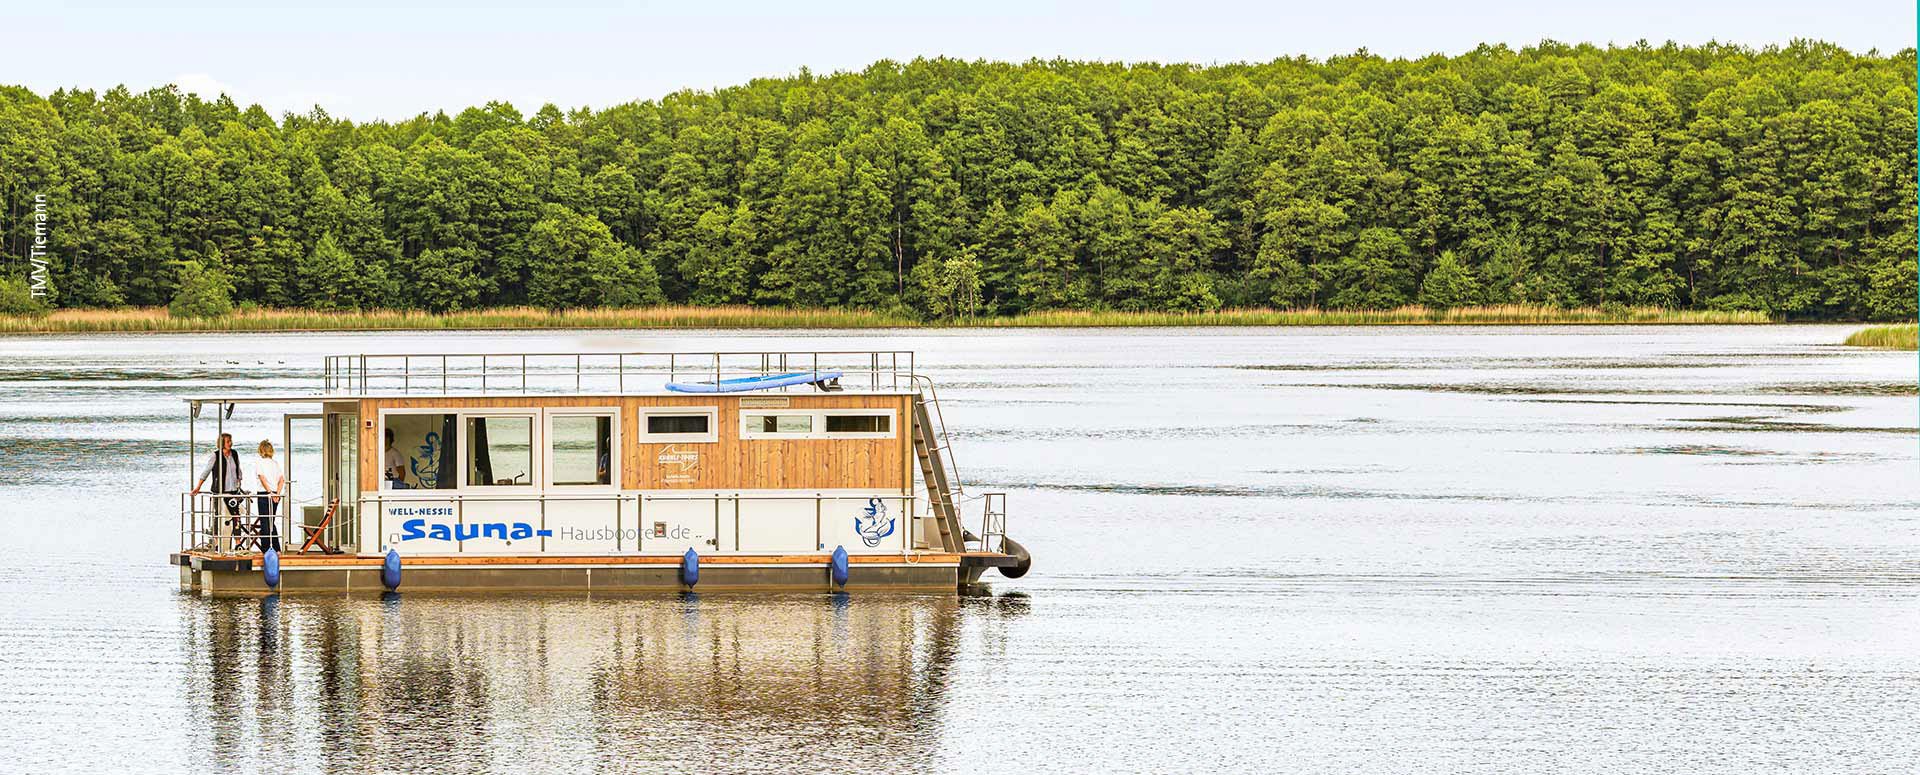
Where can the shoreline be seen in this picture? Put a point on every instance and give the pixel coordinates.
(157, 320)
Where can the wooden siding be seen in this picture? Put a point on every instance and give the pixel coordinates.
(730, 463)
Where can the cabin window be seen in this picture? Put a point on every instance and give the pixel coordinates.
(859, 423)
(499, 451)
(779, 424)
(419, 452)
(675, 424)
(679, 425)
(817, 424)
(582, 447)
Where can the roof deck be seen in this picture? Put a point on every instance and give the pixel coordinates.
(602, 373)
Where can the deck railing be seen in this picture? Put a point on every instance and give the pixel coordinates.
(230, 522)
(601, 373)
(993, 522)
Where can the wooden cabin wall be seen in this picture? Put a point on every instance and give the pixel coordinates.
(770, 464)
(727, 464)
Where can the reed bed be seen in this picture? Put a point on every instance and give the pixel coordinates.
(153, 320)
(1511, 314)
(1905, 337)
(157, 320)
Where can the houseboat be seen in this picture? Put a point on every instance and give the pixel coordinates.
(596, 472)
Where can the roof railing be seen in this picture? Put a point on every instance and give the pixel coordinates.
(602, 373)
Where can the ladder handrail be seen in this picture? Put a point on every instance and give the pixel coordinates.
(930, 396)
(941, 474)
(993, 516)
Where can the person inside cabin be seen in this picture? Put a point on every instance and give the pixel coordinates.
(396, 467)
(224, 467)
(272, 482)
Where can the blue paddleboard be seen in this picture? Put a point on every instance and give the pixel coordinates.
(742, 384)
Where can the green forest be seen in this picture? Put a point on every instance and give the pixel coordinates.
(1779, 180)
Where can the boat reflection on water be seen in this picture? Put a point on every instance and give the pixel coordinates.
(707, 682)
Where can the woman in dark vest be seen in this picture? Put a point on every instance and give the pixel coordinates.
(224, 466)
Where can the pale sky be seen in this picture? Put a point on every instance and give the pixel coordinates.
(391, 59)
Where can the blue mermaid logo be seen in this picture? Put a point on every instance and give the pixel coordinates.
(429, 476)
(873, 523)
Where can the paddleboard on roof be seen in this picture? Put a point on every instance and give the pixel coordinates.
(827, 379)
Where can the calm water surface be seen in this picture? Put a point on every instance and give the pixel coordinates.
(1325, 550)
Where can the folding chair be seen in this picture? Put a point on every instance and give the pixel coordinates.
(242, 533)
(246, 534)
(315, 533)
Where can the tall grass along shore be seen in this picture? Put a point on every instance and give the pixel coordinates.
(150, 320)
(1905, 337)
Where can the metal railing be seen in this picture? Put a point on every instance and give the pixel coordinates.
(227, 523)
(602, 373)
(993, 522)
(993, 519)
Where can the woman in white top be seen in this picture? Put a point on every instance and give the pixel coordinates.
(272, 483)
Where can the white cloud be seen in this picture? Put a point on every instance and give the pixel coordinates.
(301, 102)
(209, 88)
(204, 85)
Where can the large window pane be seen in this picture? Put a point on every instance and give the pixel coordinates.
(784, 423)
(419, 452)
(582, 450)
(859, 423)
(499, 451)
(694, 424)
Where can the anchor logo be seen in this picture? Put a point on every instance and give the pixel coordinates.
(873, 523)
(430, 476)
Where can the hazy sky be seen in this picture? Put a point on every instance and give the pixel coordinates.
(392, 59)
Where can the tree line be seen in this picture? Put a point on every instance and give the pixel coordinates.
(1779, 179)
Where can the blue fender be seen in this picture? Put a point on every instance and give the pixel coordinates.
(270, 564)
(390, 570)
(690, 568)
(838, 566)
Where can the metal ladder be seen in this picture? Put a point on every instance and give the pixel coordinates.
(934, 450)
(993, 523)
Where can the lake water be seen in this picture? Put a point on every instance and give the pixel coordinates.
(1321, 550)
